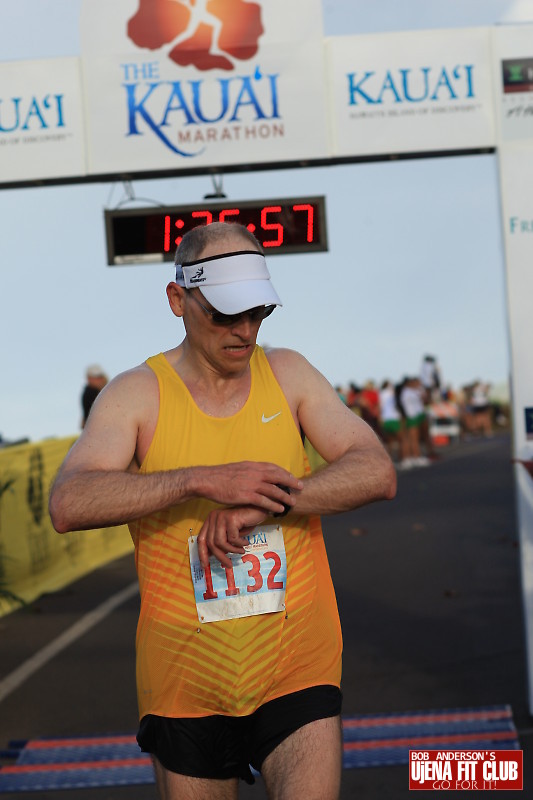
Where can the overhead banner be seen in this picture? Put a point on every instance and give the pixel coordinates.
(175, 86)
(410, 92)
(513, 78)
(41, 120)
(184, 85)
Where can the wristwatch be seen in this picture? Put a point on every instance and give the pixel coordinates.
(286, 507)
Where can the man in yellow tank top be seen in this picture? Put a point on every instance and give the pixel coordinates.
(200, 450)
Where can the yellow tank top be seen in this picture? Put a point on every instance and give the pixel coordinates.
(189, 669)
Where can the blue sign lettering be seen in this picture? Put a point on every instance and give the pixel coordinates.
(37, 113)
(196, 102)
(518, 225)
(180, 105)
(411, 86)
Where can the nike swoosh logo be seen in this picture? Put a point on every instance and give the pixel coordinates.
(269, 419)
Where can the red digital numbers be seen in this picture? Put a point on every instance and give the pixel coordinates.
(310, 219)
(166, 244)
(228, 212)
(275, 226)
(166, 239)
(271, 226)
(207, 215)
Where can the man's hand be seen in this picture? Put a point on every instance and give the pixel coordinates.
(247, 483)
(223, 532)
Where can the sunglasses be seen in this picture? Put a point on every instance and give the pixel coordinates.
(257, 314)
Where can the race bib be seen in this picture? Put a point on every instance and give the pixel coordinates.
(255, 583)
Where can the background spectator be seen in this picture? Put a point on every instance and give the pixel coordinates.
(430, 378)
(96, 380)
(391, 422)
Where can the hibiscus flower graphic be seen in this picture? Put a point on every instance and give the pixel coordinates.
(206, 34)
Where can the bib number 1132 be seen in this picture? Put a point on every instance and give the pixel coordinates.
(254, 584)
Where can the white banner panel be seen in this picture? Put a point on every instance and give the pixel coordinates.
(41, 120)
(516, 170)
(513, 81)
(410, 92)
(512, 48)
(179, 85)
(516, 176)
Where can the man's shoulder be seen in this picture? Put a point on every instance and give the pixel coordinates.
(283, 357)
(133, 386)
(293, 372)
(290, 365)
(124, 408)
(138, 374)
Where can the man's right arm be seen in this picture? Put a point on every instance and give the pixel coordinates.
(98, 484)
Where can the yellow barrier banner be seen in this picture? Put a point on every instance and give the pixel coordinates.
(34, 559)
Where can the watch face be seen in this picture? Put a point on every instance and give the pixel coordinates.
(294, 225)
(286, 508)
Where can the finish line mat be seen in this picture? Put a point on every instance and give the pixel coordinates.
(369, 741)
(385, 739)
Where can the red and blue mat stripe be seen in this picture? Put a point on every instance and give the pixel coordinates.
(369, 741)
(385, 739)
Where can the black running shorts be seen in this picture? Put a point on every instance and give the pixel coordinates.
(223, 747)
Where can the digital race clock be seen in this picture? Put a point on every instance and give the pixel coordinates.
(143, 235)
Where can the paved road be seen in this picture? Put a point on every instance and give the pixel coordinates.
(428, 592)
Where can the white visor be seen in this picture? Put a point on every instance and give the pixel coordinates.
(231, 282)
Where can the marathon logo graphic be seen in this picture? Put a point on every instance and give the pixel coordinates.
(466, 770)
(517, 75)
(247, 99)
(204, 35)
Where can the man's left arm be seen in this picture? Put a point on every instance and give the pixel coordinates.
(358, 469)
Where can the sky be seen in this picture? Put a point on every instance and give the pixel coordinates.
(415, 262)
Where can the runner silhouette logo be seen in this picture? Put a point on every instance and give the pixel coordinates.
(198, 276)
(206, 34)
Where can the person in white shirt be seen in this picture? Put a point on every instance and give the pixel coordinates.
(412, 401)
(391, 422)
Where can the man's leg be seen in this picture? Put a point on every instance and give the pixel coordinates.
(172, 786)
(307, 764)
